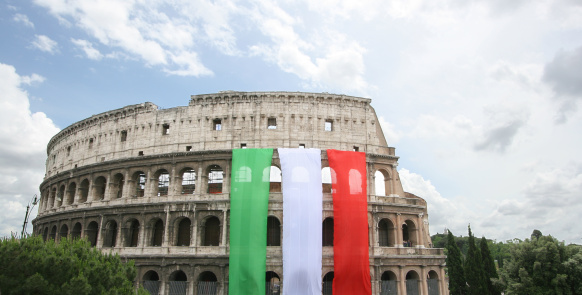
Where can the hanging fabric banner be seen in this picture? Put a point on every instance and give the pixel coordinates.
(350, 209)
(249, 200)
(302, 215)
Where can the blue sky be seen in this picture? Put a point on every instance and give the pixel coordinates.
(480, 98)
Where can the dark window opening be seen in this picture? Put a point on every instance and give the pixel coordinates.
(383, 232)
(356, 149)
(272, 123)
(158, 234)
(188, 148)
(90, 143)
(111, 234)
(243, 145)
(273, 231)
(140, 153)
(217, 124)
(165, 129)
(301, 145)
(92, 232)
(68, 151)
(123, 136)
(183, 233)
(64, 232)
(327, 232)
(211, 235)
(76, 233)
(132, 234)
(328, 284)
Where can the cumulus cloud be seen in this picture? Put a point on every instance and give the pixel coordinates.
(564, 75)
(21, 18)
(88, 48)
(23, 139)
(44, 43)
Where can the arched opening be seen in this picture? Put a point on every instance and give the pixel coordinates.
(275, 180)
(139, 183)
(91, 233)
(45, 234)
(326, 180)
(157, 233)
(215, 178)
(60, 196)
(188, 181)
(273, 231)
(272, 283)
(53, 198)
(412, 283)
(64, 232)
(53, 235)
(388, 285)
(84, 191)
(382, 183)
(110, 234)
(207, 283)
(211, 234)
(163, 182)
(151, 282)
(409, 234)
(328, 283)
(76, 232)
(99, 188)
(183, 238)
(70, 194)
(178, 283)
(327, 232)
(432, 282)
(119, 182)
(386, 234)
(132, 234)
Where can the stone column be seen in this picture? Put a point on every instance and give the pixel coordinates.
(194, 230)
(126, 185)
(99, 234)
(166, 241)
(107, 185)
(175, 184)
(419, 236)
(423, 282)
(399, 238)
(402, 280)
(442, 281)
(224, 242)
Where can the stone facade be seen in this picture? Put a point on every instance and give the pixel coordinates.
(153, 185)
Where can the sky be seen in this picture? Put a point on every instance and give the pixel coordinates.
(482, 99)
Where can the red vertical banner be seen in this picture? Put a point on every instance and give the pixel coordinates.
(350, 209)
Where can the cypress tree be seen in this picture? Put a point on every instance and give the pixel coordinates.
(474, 269)
(488, 267)
(457, 283)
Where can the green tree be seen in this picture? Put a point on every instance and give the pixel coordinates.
(474, 269)
(457, 283)
(488, 267)
(31, 266)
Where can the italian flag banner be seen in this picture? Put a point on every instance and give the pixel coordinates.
(350, 210)
(302, 214)
(249, 199)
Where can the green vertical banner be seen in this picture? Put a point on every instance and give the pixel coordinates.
(249, 201)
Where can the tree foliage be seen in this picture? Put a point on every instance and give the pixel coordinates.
(32, 266)
(457, 283)
(474, 273)
(488, 267)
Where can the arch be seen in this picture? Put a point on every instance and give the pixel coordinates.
(118, 184)
(157, 232)
(110, 234)
(70, 194)
(64, 232)
(53, 197)
(53, 235)
(412, 283)
(386, 233)
(163, 182)
(76, 232)
(138, 180)
(211, 232)
(272, 283)
(178, 283)
(151, 282)
(409, 234)
(432, 282)
(326, 180)
(382, 182)
(215, 179)
(273, 231)
(45, 234)
(207, 283)
(275, 180)
(183, 234)
(99, 188)
(327, 232)
(188, 181)
(328, 283)
(132, 233)
(60, 196)
(388, 284)
(91, 232)
(84, 190)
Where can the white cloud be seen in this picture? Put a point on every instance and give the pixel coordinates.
(21, 18)
(564, 74)
(23, 139)
(88, 48)
(44, 43)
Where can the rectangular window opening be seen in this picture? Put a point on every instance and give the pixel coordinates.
(301, 145)
(243, 145)
(272, 123)
(140, 153)
(165, 129)
(90, 143)
(123, 135)
(328, 125)
(189, 148)
(68, 151)
(356, 149)
(217, 124)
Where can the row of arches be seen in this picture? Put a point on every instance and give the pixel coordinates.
(128, 232)
(207, 283)
(162, 183)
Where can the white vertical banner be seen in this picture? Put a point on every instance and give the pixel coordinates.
(302, 218)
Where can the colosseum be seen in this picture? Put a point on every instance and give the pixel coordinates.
(154, 185)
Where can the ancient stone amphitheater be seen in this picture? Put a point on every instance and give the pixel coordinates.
(153, 185)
